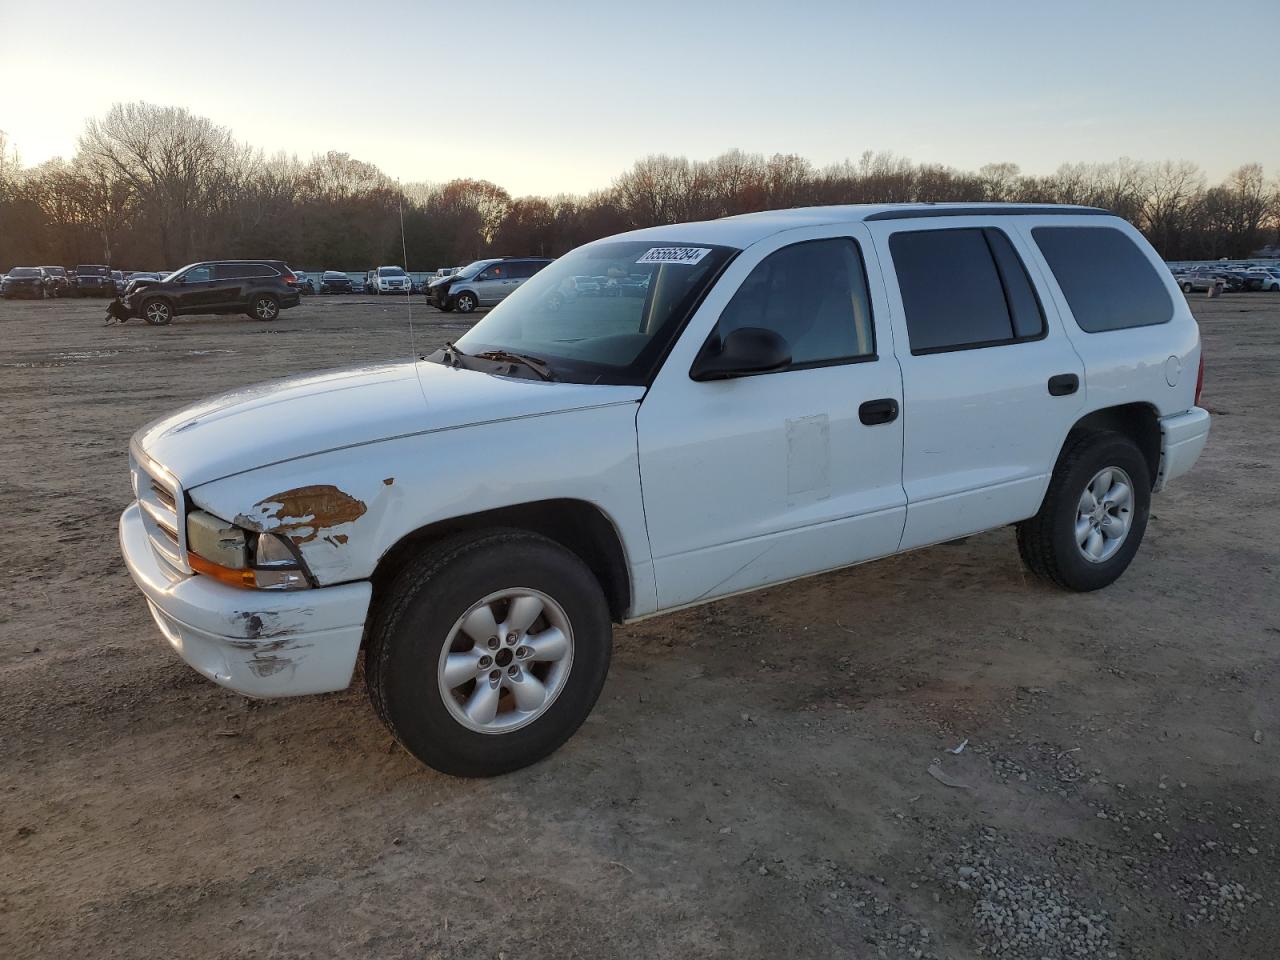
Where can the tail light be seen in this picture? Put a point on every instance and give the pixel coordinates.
(291, 278)
(1200, 377)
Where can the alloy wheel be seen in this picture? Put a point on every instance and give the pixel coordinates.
(1104, 514)
(506, 660)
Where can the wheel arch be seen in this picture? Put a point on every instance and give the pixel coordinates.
(577, 525)
(1138, 421)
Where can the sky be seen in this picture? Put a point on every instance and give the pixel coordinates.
(561, 96)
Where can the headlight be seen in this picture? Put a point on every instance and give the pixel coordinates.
(242, 558)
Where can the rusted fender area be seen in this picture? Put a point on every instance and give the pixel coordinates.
(344, 509)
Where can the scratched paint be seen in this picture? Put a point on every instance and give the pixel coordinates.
(301, 513)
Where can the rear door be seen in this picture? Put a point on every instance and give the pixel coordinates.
(992, 384)
(230, 283)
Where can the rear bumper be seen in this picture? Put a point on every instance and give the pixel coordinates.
(1182, 438)
(261, 643)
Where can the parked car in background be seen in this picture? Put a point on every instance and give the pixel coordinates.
(26, 282)
(1196, 280)
(118, 281)
(387, 280)
(443, 272)
(800, 391)
(335, 281)
(305, 283)
(56, 281)
(1269, 278)
(94, 280)
(484, 283)
(258, 288)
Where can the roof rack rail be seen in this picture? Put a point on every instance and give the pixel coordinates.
(1012, 210)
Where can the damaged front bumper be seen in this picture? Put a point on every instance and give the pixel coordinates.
(117, 311)
(261, 643)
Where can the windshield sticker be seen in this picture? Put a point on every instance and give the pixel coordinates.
(686, 255)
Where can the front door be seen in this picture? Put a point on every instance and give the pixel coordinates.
(992, 383)
(762, 478)
(489, 284)
(196, 293)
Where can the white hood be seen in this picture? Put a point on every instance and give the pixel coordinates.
(299, 416)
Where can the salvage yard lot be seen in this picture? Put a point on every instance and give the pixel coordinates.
(755, 780)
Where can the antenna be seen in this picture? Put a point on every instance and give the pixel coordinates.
(408, 292)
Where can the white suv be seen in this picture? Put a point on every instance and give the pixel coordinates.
(782, 394)
(387, 280)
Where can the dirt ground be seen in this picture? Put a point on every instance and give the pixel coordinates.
(755, 781)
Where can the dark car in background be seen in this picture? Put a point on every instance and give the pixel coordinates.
(23, 282)
(56, 281)
(257, 288)
(94, 280)
(335, 281)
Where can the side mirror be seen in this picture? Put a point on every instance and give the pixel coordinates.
(742, 352)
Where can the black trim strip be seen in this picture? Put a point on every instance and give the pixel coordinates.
(989, 211)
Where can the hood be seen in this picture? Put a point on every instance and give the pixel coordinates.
(300, 416)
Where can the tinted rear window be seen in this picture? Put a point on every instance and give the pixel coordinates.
(963, 288)
(1108, 282)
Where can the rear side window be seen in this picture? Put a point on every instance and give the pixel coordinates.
(1108, 282)
(963, 289)
(814, 295)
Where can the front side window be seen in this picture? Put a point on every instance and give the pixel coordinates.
(197, 274)
(962, 289)
(1108, 282)
(813, 295)
(586, 337)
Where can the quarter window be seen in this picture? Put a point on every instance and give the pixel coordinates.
(1108, 282)
(964, 288)
(813, 295)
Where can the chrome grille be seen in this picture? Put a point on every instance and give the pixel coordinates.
(161, 501)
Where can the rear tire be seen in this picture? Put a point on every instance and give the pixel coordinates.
(489, 718)
(1085, 537)
(264, 307)
(1187, 288)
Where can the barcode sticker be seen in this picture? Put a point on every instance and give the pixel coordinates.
(686, 255)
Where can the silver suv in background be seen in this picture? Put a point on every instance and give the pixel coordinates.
(483, 283)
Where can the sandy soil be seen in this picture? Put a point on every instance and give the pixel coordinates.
(737, 792)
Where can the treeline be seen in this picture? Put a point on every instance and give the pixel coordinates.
(157, 187)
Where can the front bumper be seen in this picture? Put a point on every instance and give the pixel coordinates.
(1182, 438)
(261, 643)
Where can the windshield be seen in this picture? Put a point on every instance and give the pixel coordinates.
(604, 313)
(471, 269)
(92, 271)
(390, 272)
(24, 272)
(55, 271)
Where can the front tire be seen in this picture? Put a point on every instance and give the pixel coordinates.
(1094, 515)
(1187, 288)
(157, 313)
(465, 302)
(489, 652)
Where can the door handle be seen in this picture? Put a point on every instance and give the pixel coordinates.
(875, 412)
(1063, 385)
